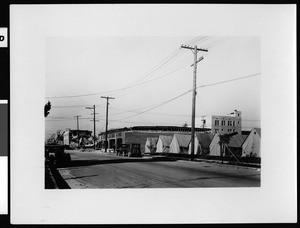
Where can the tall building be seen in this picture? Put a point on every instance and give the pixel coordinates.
(228, 123)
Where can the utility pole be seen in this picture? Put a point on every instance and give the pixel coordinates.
(94, 119)
(77, 130)
(107, 103)
(195, 51)
(203, 121)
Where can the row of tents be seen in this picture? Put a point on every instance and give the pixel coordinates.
(206, 144)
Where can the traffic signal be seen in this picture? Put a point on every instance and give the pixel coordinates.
(47, 108)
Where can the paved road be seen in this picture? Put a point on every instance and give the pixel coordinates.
(98, 170)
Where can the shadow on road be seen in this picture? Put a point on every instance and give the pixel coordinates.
(75, 163)
(78, 177)
(249, 176)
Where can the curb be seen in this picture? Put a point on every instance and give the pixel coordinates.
(60, 183)
(50, 182)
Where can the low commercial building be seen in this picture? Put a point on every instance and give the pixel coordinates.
(139, 134)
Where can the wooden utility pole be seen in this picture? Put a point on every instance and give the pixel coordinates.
(195, 50)
(106, 125)
(94, 119)
(77, 129)
(203, 121)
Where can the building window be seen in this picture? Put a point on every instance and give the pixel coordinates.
(229, 123)
(223, 122)
(233, 123)
(217, 122)
(229, 130)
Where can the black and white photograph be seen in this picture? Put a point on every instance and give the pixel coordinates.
(121, 111)
(150, 114)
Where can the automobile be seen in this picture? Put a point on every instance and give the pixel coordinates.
(55, 155)
(130, 150)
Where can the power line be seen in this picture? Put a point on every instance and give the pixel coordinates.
(168, 59)
(162, 76)
(185, 61)
(159, 105)
(202, 86)
(165, 61)
(160, 114)
(73, 106)
(218, 41)
(139, 82)
(155, 106)
(217, 83)
(198, 40)
(231, 80)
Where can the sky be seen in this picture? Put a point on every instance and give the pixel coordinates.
(149, 78)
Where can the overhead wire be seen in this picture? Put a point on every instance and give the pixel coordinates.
(198, 40)
(230, 80)
(214, 43)
(74, 106)
(202, 86)
(172, 69)
(159, 66)
(165, 102)
(168, 59)
(165, 61)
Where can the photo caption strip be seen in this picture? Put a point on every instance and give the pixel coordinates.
(3, 37)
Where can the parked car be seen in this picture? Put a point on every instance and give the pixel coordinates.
(130, 150)
(55, 155)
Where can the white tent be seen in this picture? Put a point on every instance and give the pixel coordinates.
(214, 147)
(150, 145)
(235, 142)
(163, 144)
(180, 144)
(202, 142)
(251, 146)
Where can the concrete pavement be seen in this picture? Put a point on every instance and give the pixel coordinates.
(98, 170)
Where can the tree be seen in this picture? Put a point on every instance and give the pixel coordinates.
(225, 140)
(47, 108)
